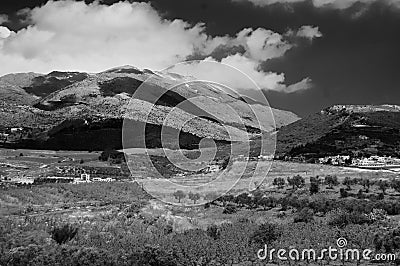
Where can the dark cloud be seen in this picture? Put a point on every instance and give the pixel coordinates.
(220, 52)
(355, 62)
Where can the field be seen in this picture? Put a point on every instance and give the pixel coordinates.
(266, 172)
(119, 223)
(37, 163)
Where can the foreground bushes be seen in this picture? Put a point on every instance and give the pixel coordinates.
(64, 233)
(129, 241)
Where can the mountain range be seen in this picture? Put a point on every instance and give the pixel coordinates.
(86, 111)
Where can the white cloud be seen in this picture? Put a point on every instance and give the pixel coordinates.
(4, 32)
(94, 37)
(302, 85)
(308, 32)
(261, 44)
(338, 4)
(69, 35)
(3, 18)
(209, 70)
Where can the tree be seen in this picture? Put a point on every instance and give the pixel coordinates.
(314, 185)
(296, 182)
(383, 185)
(179, 194)
(347, 182)
(343, 193)
(279, 182)
(194, 197)
(331, 181)
(366, 184)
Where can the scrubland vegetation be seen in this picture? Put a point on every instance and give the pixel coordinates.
(126, 227)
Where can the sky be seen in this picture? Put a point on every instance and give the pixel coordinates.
(304, 54)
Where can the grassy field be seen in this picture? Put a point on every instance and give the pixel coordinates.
(237, 180)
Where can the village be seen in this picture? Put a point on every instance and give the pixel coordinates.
(374, 162)
(67, 174)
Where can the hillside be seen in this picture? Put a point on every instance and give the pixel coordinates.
(352, 130)
(72, 110)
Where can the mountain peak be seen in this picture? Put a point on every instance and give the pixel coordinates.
(363, 108)
(124, 69)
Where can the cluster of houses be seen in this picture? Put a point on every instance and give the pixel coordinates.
(255, 158)
(22, 180)
(372, 162)
(65, 174)
(377, 162)
(86, 178)
(336, 160)
(6, 133)
(77, 171)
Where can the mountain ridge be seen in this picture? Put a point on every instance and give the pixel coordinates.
(356, 130)
(53, 99)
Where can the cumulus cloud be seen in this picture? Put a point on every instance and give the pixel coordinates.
(4, 32)
(65, 34)
(338, 4)
(308, 32)
(209, 70)
(69, 35)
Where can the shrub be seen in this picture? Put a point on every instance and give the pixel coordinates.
(64, 233)
(314, 185)
(343, 193)
(213, 231)
(305, 215)
(341, 218)
(266, 234)
(229, 209)
(389, 242)
(243, 199)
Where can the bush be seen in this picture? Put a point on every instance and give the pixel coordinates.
(266, 234)
(229, 209)
(153, 256)
(214, 231)
(343, 193)
(389, 242)
(341, 218)
(64, 233)
(305, 215)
